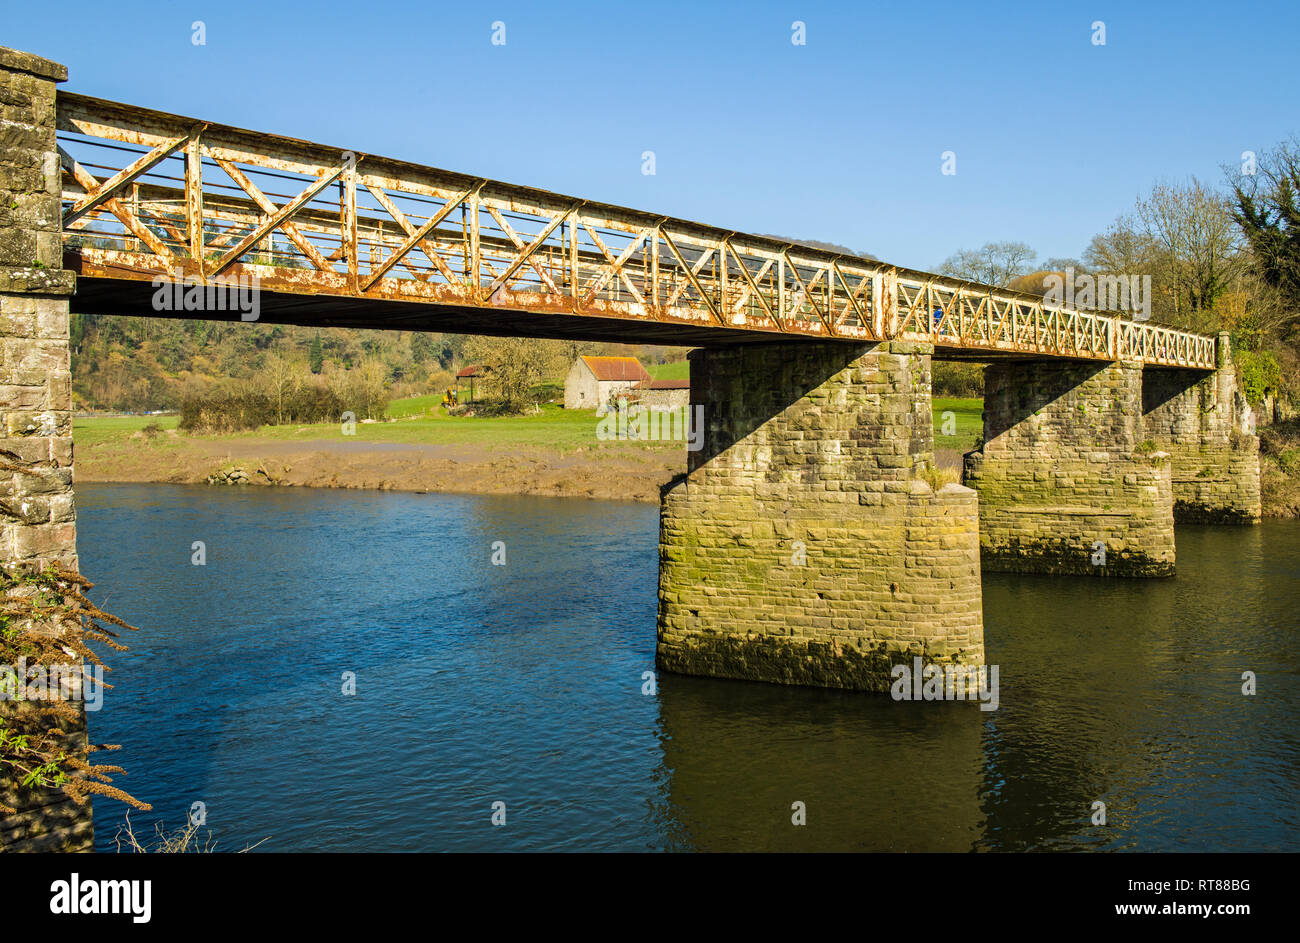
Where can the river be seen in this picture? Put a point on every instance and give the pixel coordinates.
(523, 684)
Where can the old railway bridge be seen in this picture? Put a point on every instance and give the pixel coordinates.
(804, 545)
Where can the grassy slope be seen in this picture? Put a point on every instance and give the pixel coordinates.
(95, 429)
(418, 405)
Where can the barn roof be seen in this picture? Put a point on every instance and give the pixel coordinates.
(474, 371)
(616, 368)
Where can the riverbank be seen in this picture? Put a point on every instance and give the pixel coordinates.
(556, 453)
(320, 457)
(553, 455)
(1279, 469)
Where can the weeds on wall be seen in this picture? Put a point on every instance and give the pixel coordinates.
(46, 624)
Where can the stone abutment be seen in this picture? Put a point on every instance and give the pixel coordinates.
(37, 512)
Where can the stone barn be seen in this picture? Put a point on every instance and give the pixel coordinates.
(593, 381)
(665, 394)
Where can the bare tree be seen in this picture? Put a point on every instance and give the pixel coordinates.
(1183, 237)
(370, 386)
(1198, 248)
(279, 376)
(1123, 249)
(1254, 312)
(994, 263)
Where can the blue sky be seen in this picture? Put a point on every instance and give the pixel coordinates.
(839, 139)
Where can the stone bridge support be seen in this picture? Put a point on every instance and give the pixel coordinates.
(805, 544)
(37, 516)
(1066, 481)
(1203, 422)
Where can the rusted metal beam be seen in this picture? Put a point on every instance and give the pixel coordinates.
(270, 209)
(691, 276)
(615, 265)
(274, 220)
(526, 252)
(714, 278)
(128, 219)
(414, 235)
(807, 291)
(114, 184)
(753, 284)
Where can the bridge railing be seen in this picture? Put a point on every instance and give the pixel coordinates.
(148, 193)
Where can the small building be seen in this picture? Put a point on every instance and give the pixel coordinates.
(470, 374)
(664, 394)
(594, 381)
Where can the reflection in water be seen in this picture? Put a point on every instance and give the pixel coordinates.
(1130, 693)
(522, 683)
(874, 775)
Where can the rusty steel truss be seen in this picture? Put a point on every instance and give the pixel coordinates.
(150, 194)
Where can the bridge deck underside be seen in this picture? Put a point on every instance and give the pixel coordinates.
(133, 298)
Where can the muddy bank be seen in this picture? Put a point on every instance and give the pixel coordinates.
(623, 474)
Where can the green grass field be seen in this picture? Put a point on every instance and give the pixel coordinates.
(679, 370)
(968, 419)
(554, 427)
(94, 429)
(422, 421)
(417, 405)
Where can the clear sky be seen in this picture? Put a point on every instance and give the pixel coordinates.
(840, 139)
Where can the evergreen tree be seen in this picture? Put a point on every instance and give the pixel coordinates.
(420, 345)
(76, 330)
(1268, 212)
(317, 356)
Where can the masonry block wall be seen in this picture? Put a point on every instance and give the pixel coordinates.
(1066, 481)
(1197, 417)
(37, 513)
(804, 545)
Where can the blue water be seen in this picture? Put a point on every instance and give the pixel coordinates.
(523, 683)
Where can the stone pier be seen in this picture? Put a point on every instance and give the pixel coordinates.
(1203, 422)
(1067, 481)
(37, 516)
(805, 544)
